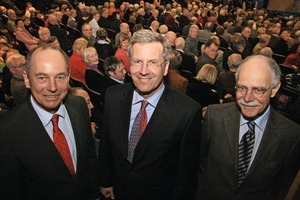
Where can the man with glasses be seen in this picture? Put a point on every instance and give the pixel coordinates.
(151, 133)
(16, 65)
(249, 150)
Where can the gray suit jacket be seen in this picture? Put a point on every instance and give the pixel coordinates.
(30, 165)
(165, 160)
(272, 171)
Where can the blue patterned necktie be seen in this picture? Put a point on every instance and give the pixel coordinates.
(245, 151)
(138, 128)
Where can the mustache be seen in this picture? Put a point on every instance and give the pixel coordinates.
(252, 103)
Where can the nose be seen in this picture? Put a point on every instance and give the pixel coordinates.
(52, 87)
(144, 69)
(249, 97)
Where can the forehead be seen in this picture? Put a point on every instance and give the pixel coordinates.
(255, 72)
(42, 61)
(147, 51)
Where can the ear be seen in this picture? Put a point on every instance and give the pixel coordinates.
(26, 80)
(275, 89)
(167, 64)
(111, 73)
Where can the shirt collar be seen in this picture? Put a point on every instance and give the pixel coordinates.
(153, 100)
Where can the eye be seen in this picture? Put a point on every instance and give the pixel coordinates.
(61, 78)
(41, 78)
(152, 63)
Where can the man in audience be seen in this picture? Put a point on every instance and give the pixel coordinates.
(42, 158)
(104, 21)
(154, 26)
(206, 33)
(87, 34)
(191, 42)
(124, 28)
(115, 73)
(227, 78)
(16, 65)
(209, 54)
(11, 25)
(153, 154)
(171, 37)
(248, 150)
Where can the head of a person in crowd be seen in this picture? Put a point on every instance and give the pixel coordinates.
(149, 55)
(171, 37)
(104, 12)
(264, 40)
(237, 43)
(44, 33)
(211, 48)
(11, 14)
(3, 10)
(96, 16)
(246, 32)
(257, 81)
(175, 59)
(47, 78)
(163, 29)
(52, 19)
(208, 74)
(59, 16)
(79, 46)
(3, 48)
(123, 42)
(285, 35)
(234, 60)
(73, 13)
(124, 28)
(16, 64)
(266, 51)
(52, 40)
(194, 31)
(137, 27)
(114, 68)
(78, 91)
(101, 34)
(155, 13)
(19, 23)
(154, 25)
(87, 30)
(180, 43)
(90, 56)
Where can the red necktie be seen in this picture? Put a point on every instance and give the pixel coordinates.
(61, 145)
(138, 128)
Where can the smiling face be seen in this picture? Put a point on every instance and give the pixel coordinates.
(148, 78)
(255, 74)
(48, 78)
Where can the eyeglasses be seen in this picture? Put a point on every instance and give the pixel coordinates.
(150, 64)
(20, 66)
(256, 92)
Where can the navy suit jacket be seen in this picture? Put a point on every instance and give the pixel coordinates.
(166, 156)
(30, 165)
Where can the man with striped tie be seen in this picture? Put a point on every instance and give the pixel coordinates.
(248, 150)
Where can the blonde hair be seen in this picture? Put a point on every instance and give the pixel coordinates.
(88, 52)
(79, 44)
(207, 73)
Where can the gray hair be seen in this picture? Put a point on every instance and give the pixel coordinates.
(271, 63)
(147, 36)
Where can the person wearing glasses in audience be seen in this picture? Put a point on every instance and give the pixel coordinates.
(249, 150)
(151, 133)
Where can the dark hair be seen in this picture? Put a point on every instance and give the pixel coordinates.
(111, 63)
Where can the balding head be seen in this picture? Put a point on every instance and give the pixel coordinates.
(234, 60)
(179, 43)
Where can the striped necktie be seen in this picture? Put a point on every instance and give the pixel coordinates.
(245, 151)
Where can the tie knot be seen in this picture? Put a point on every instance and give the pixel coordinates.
(251, 125)
(54, 119)
(144, 104)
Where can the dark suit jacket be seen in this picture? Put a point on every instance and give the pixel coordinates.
(274, 167)
(32, 168)
(163, 165)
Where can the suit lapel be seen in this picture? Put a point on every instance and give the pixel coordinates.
(268, 141)
(158, 116)
(125, 110)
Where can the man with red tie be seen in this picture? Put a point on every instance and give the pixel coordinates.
(151, 133)
(46, 144)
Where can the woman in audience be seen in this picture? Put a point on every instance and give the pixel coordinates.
(122, 51)
(293, 59)
(103, 45)
(202, 89)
